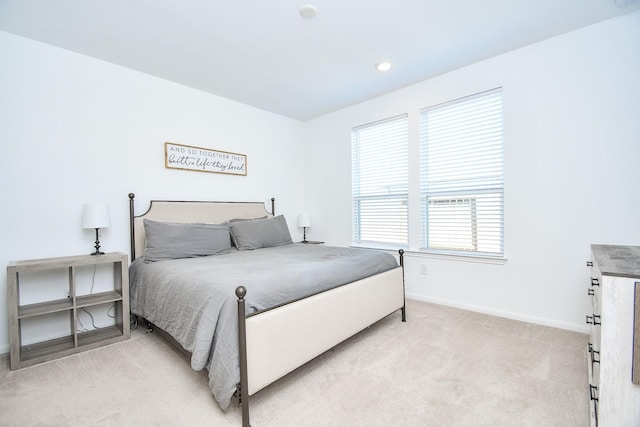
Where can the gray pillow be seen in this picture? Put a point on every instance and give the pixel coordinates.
(246, 219)
(239, 220)
(170, 240)
(260, 233)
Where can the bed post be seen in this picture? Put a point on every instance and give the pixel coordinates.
(131, 231)
(273, 206)
(404, 307)
(243, 397)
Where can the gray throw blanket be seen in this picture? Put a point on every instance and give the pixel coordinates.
(194, 300)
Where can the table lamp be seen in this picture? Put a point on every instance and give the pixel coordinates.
(96, 216)
(304, 221)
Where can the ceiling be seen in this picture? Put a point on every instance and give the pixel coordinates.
(265, 54)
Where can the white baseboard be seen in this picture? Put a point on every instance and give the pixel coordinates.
(583, 329)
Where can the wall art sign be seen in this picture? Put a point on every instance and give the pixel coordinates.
(186, 157)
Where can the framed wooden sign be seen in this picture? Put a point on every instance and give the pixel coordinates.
(186, 157)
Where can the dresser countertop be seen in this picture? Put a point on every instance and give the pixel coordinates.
(620, 261)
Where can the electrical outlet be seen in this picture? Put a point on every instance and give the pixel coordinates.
(423, 268)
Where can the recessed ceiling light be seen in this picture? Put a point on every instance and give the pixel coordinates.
(383, 66)
(308, 11)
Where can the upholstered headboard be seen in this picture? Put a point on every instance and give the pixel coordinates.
(207, 212)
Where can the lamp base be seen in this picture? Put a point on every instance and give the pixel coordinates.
(97, 246)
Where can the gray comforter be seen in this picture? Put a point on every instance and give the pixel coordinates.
(194, 299)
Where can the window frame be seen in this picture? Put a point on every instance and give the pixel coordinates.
(415, 198)
(360, 195)
(494, 187)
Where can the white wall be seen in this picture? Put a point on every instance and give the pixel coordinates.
(76, 130)
(572, 170)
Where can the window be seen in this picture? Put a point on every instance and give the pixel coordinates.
(380, 177)
(456, 191)
(461, 176)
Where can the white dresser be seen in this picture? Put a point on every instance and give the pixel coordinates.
(615, 276)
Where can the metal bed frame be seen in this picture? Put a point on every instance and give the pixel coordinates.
(256, 329)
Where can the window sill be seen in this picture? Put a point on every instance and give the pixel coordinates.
(458, 257)
(449, 257)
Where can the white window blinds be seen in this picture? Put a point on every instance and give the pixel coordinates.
(380, 182)
(461, 176)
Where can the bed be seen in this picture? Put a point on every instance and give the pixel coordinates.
(226, 282)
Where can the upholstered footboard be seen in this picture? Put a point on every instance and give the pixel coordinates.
(272, 343)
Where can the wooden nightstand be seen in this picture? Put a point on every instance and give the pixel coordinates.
(73, 340)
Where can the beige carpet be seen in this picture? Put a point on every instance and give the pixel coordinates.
(444, 367)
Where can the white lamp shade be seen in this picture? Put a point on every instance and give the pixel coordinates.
(304, 220)
(95, 216)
